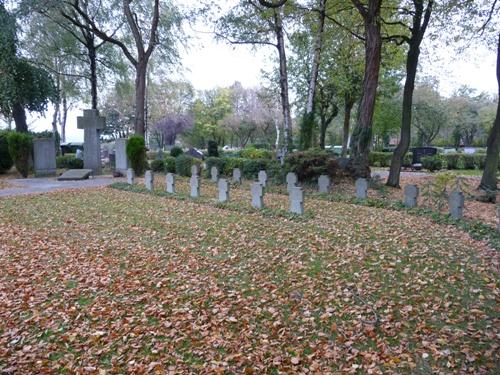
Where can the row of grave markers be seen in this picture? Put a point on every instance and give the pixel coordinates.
(295, 193)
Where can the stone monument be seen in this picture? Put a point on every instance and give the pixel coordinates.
(44, 155)
(194, 182)
(223, 186)
(456, 203)
(121, 160)
(291, 181)
(324, 184)
(262, 178)
(296, 197)
(257, 195)
(149, 180)
(130, 176)
(237, 176)
(411, 195)
(92, 125)
(361, 188)
(170, 180)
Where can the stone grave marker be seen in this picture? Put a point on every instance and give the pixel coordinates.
(223, 186)
(237, 176)
(149, 180)
(324, 183)
(170, 182)
(456, 203)
(92, 125)
(291, 181)
(262, 178)
(44, 155)
(195, 170)
(214, 174)
(257, 195)
(130, 176)
(411, 195)
(361, 188)
(121, 160)
(296, 197)
(194, 182)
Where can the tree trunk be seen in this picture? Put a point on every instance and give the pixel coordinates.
(489, 179)
(348, 104)
(19, 115)
(362, 134)
(64, 117)
(92, 55)
(140, 98)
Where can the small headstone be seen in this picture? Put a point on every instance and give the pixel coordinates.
(170, 181)
(195, 170)
(223, 185)
(149, 180)
(130, 176)
(324, 183)
(237, 176)
(160, 154)
(44, 155)
(296, 197)
(456, 203)
(257, 195)
(263, 178)
(214, 174)
(361, 188)
(291, 181)
(121, 160)
(411, 195)
(194, 182)
(75, 174)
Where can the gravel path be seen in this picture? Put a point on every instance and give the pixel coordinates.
(43, 185)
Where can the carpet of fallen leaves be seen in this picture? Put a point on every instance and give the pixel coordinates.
(107, 281)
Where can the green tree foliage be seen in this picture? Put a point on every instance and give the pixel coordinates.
(20, 150)
(136, 153)
(5, 158)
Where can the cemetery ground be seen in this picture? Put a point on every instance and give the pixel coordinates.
(121, 280)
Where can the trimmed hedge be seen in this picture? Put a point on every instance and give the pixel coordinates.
(6, 161)
(183, 165)
(309, 165)
(158, 165)
(21, 150)
(176, 151)
(69, 162)
(169, 164)
(255, 153)
(432, 163)
(220, 163)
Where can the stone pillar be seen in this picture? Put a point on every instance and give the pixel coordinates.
(257, 195)
(263, 178)
(195, 170)
(170, 182)
(296, 197)
(214, 174)
(361, 188)
(223, 186)
(324, 184)
(130, 176)
(237, 176)
(121, 160)
(194, 182)
(411, 195)
(456, 203)
(291, 181)
(92, 125)
(44, 154)
(149, 180)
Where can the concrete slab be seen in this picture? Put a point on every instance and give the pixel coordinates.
(75, 175)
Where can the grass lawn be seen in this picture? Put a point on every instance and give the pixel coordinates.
(108, 280)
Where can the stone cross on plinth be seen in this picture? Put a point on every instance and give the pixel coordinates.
(92, 125)
(223, 186)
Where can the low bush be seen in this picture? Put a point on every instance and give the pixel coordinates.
(251, 167)
(432, 163)
(20, 150)
(232, 163)
(6, 161)
(255, 153)
(220, 163)
(380, 159)
(183, 165)
(176, 151)
(69, 161)
(309, 165)
(136, 153)
(158, 165)
(470, 161)
(169, 164)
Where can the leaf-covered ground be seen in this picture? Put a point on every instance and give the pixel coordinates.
(112, 281)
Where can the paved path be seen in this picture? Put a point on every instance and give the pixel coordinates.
(43, 185)
(385, 174)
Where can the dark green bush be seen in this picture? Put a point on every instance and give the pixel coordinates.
(220, 163)
(251, 167)
(20, 150)
(432, 163)
(6, 161)
(470, 161)
(255, 153)
(158, 166)
(213, 150)
(232, 163)
(176, 151)
(69, 161)
(309, 165)
(136, 153)
(453, 161)
(169, 164)
(380, 159)
(183, 165)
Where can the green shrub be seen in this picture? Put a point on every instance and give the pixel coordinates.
(232, 163)
(251, 167)
(451, 160)
(255, 153)
(380, 159)
(136, 153)
(6, 161)
(176, 151)
(213, 150)
(169, 164)
(151, 155)
(69, 161)
(276, 174)
(183, 165)
(158, 166)
(470, 161)
(20, 150)
(309, 165)
(432, 163)
(220, 163)
(408, 159)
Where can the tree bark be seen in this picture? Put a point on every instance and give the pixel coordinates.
(92, 55)
(362, 134)
(140, 99)
(64, 117)
(348, 104)
(19, 115)
(418, 31)
(489, 179)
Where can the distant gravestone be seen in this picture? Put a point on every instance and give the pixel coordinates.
(194, 182)
(411, 195)
(257, 195)
(44, 155)
(291, 181)
(170, 182)
(75, 174)
(237, 176)
(130, 176)
(223, 186)
(195, 170)
(361, 188)
(262, 178)
(149, 180)
(296, 198)
(121, 160)
(324, 183)
(456, 203)
(92, 125)
(214, 174)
